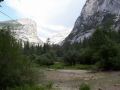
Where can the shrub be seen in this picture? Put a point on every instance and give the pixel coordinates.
(27, 87)
(86, 56)
(49, 85)
(84, 87)
(71, 57)
(108, 57)
(83, 67)
(45, 59)
(15, 69)
(58, 65)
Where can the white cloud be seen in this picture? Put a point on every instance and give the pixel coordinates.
(41, 11)
(55, 31)
(46, 11)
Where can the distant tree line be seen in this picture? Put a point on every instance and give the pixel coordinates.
(102, 50)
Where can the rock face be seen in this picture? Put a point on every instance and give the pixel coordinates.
(24, 30)
(95, 13)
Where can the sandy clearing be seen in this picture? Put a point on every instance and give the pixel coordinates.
(71, 79)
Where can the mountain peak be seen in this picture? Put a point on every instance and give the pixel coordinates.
(26, 31)
(26, 21)
(93, 6)
(95, 13)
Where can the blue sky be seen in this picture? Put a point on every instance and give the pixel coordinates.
(9, 11)
(51, 16)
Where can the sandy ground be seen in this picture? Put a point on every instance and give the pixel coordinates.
(72, 79)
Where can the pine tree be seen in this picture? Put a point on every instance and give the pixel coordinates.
(15, 69)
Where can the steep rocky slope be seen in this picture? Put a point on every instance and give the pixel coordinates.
(95, 13)
(24, 29)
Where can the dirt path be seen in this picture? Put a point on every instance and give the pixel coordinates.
(71, 79)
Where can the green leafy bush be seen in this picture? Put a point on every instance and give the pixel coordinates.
(71, 57)
(84, 87)
(27, 87)
(15, 68)
(58, 65)
(45, 59)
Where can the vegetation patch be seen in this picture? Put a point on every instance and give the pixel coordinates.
(84, 87)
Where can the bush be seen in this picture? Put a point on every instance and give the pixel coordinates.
(84, 87)
(106, 49)
(15, 69)
(109, 58)
(27, 87)
(86, 56)
(45, 59)
(48, 86)
(58, 65)
(83, 67)
(71, 57)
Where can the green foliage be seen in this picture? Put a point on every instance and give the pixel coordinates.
(107, 55)
(49, 85)
(84, 87)
(71, 57)
(102, 49)
(28, 87)
(98, 38)
(86, 56)
(58, 65)
(83, 67)
(42, 55)
(106, 49)
(15, 69)
(45, 59)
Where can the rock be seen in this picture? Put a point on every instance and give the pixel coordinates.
(94, 14)
(24, 30)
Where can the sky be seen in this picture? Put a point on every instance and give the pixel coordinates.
(52, 16)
